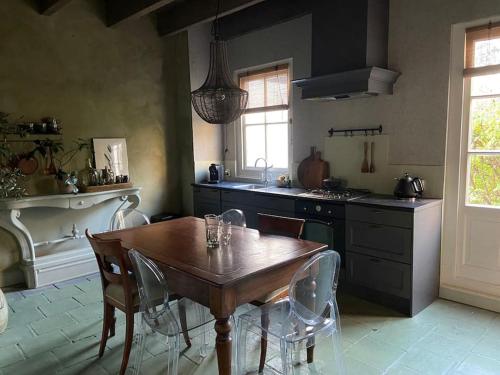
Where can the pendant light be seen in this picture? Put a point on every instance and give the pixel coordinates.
(219, 100)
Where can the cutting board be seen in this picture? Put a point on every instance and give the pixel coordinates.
(313, 170)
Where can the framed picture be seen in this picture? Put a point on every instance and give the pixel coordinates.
(111, 153)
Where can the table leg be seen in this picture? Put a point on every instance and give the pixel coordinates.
(223, 344)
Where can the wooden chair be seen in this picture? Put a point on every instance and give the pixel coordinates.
(120, 291)
(281, 226)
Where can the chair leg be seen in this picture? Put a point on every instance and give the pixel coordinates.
(108, 310)
(112, 322)
(310, 351)
(183, 321)
(264, 321)
(129, 336)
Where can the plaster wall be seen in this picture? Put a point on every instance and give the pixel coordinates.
(99, 81)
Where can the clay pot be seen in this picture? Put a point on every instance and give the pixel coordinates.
(27, 165)
(4, 312)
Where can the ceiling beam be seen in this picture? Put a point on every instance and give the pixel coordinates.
(193, 12)
(262, 15)
(49, 7)
(118, 11)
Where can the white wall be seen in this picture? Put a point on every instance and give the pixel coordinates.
(414, 117)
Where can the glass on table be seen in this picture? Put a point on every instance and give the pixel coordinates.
(225, 231)
(212, 229)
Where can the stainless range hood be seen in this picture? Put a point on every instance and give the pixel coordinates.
(349, 51)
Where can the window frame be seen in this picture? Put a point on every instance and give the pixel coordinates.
(242, 170)
(472, 35)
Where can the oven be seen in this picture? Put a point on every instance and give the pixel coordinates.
(325, 223)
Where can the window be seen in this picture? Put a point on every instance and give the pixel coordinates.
(264, 126)
(482, 108)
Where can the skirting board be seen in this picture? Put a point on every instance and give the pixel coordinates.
(471, 298)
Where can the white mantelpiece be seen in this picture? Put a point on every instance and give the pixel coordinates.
(42, 267)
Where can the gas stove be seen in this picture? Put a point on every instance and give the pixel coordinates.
(343, 195)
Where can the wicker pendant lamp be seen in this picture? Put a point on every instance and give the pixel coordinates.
(219, 100)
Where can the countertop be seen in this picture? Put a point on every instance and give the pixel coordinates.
(371, 199)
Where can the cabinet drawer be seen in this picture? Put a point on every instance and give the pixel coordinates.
(206, 194)
(378, 274)
(240, 197)
(382, 241)
(377, 215)
(274, 203)
(202, 208)
(79, 203)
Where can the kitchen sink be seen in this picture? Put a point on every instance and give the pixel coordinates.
(250, 186)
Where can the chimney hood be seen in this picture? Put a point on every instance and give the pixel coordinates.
(349, 51)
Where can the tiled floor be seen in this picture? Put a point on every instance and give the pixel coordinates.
(56, 330)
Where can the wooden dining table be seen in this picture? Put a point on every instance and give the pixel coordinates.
(250, 266)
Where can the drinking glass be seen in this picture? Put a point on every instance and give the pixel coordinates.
(212, 229)
(225, 234)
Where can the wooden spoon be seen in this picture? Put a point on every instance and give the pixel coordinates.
(364, 166)
(372, 155)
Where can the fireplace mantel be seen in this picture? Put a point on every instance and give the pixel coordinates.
(45, 269)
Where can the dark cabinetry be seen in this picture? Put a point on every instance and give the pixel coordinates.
(206, 201)
(393, 255)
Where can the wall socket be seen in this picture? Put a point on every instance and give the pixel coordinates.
(227, 172)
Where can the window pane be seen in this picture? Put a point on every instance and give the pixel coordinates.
(277, 89)
(484, 180)
(277, 145)
(254, 118)
(485, 124)
(487, 52)
(255, 90)
(277, 116)
(255, 146)
(485, 85)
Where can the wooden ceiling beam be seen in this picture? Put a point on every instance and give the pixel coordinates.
(193, 12)
(262, 15)
(118, 11)
(49, 7)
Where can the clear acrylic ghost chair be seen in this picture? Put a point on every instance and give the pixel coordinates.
(306, 319)
(128, 218)
(159, 316)
(233, 217)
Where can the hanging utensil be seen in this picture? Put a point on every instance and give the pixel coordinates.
(364, 165)
(372, 156)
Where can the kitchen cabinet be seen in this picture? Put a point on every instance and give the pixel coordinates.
(206, 201)
(393, 255)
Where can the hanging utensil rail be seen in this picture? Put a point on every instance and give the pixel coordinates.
(373, 131)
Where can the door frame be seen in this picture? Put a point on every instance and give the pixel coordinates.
(452, 286)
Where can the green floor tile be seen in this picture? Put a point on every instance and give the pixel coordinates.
(43, 343)
(355, 367)
(9, 355)
(30, 302)
(79, 351)
(14, 335)
(89, 298)
(88, 312)
(439, 344)
(81, 330)
(477, 365)
(45, 363)
(488, 346)
(56, 294)
(87, 367)
(427, 363)
(52, 323)
(403, 333)
(24, 317)
(377, 354)
(59, 306)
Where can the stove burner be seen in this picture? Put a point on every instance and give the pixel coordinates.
(338, 195)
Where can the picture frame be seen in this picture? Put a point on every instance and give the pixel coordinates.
(111, 153)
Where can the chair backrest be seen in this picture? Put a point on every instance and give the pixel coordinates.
(107, 253)
(128, 218)
(234, 217)
(279, 225)
(150, 280)
(313, 287)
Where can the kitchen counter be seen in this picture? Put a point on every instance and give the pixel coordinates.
(391, 201)
(371, 199)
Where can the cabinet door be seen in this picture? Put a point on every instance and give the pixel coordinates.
(275, 203)
(393, 243)
(202, 208)
(378, 274)
(206, 194)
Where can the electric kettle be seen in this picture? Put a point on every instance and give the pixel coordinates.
(409, 187)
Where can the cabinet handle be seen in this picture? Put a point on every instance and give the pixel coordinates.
(375, 260)
(375, 226)
(377, 212)
(81, 203)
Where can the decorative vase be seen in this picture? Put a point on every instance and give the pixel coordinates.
(4, 312)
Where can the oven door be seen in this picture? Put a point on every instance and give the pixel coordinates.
(326, 230)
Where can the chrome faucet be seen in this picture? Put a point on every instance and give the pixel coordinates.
(264, 172)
